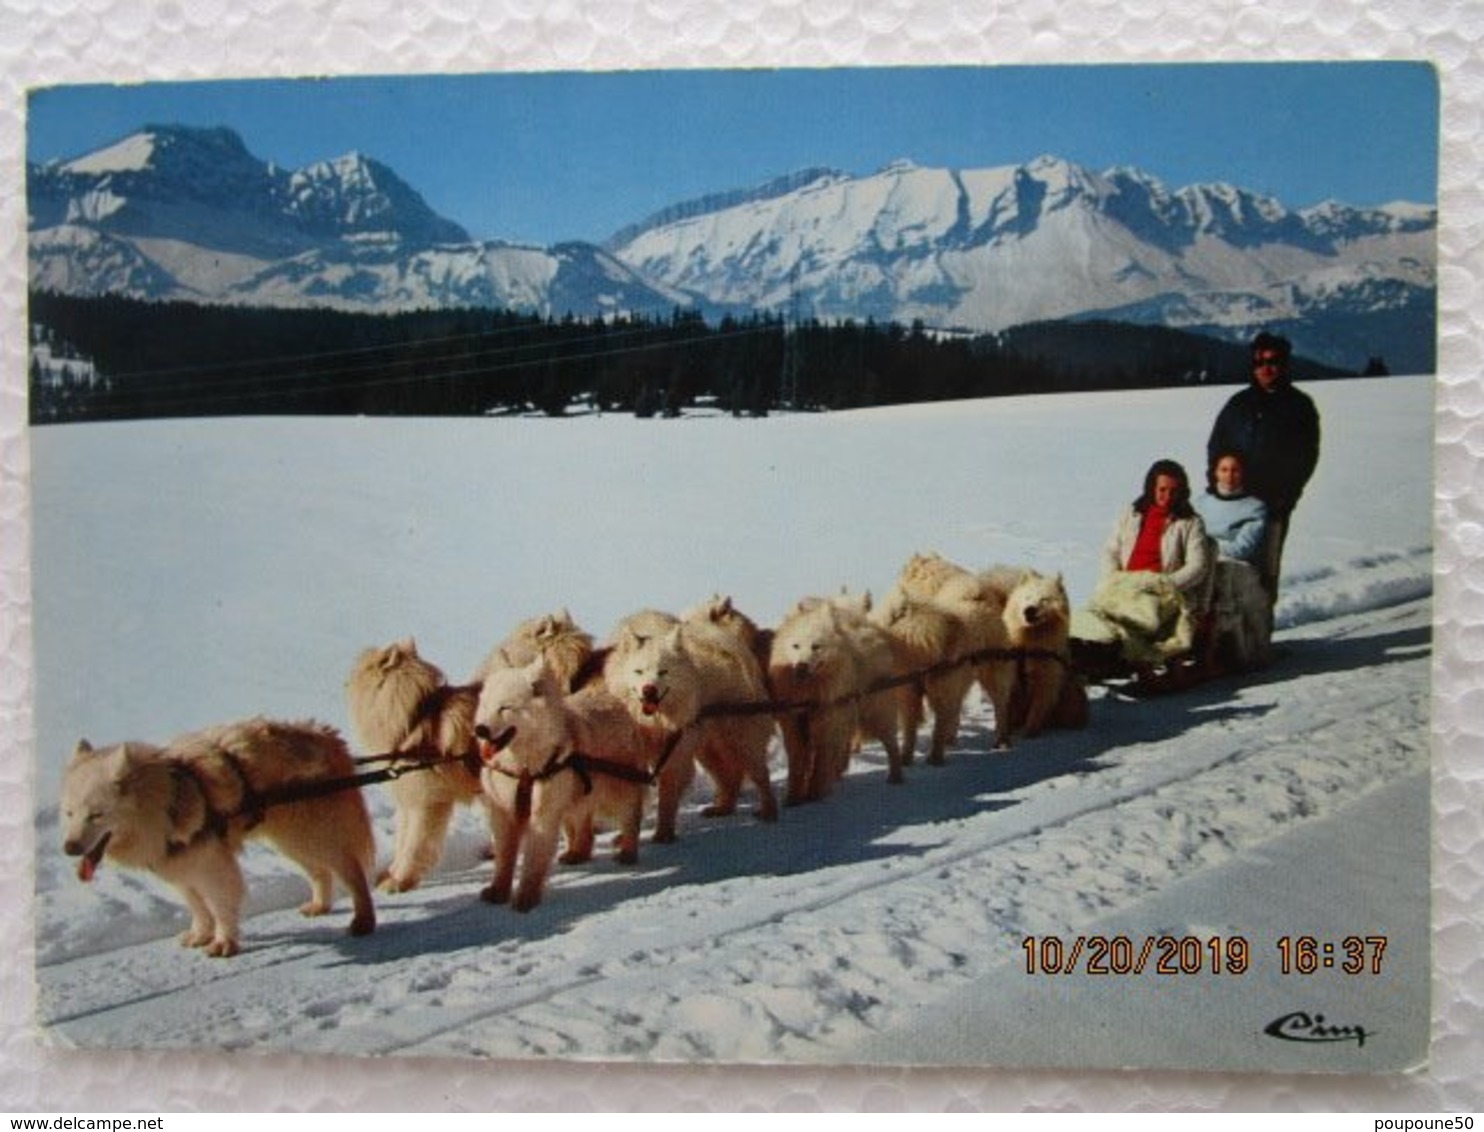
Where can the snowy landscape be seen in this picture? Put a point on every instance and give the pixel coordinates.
(196, 572)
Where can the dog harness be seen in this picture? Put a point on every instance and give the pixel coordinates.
(583, 765)
(185, 774)
(525, 780)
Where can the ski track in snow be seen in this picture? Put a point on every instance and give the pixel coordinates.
(746, 942)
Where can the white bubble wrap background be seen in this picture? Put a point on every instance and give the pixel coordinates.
(66, 41)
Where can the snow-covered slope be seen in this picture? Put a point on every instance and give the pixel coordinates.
(193, 572)
(1345, 313)
(376, 273)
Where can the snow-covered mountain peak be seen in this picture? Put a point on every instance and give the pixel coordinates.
(1049, 166)
(165, 152)
(898, 166)
(355, 194)
(350, 168)
(810, 178)
(204, 186)
(1343, 222)
(1132, 174)
(1217, 202)
(1057, 183)
(1410, 212)
(173, 182)
(132, 154)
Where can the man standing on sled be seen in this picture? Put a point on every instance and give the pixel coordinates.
(1274, 429)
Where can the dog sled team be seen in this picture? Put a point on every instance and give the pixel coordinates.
(557, 735)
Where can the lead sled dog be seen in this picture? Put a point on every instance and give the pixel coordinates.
(183, 811)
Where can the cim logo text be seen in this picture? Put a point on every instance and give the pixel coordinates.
(1301, 1026)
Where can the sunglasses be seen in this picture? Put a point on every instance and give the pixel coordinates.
(1262, 361)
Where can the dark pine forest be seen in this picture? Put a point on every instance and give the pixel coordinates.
(185, 360)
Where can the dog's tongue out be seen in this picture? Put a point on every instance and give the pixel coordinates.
(89, 863)
(492, 745)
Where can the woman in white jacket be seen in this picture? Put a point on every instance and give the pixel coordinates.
(1160, 532)
(1150, 608)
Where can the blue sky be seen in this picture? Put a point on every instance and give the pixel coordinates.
(576, 155)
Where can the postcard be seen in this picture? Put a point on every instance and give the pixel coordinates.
(738, 567)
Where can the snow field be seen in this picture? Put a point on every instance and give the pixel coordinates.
(189, 574)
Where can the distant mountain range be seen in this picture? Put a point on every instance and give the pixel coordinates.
(190, 214)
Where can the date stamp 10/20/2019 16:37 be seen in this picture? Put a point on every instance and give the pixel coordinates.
(1194, 955)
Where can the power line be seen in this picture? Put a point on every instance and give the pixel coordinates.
(139, 379)
(310, 383)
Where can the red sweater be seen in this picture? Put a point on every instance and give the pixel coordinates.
(1145, 555)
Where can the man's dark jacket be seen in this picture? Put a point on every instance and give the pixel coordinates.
(1276, 433)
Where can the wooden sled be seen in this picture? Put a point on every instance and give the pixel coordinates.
(1147, 645)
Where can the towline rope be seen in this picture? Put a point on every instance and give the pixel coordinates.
(585, 765)
(885, 684)
(399, 763)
